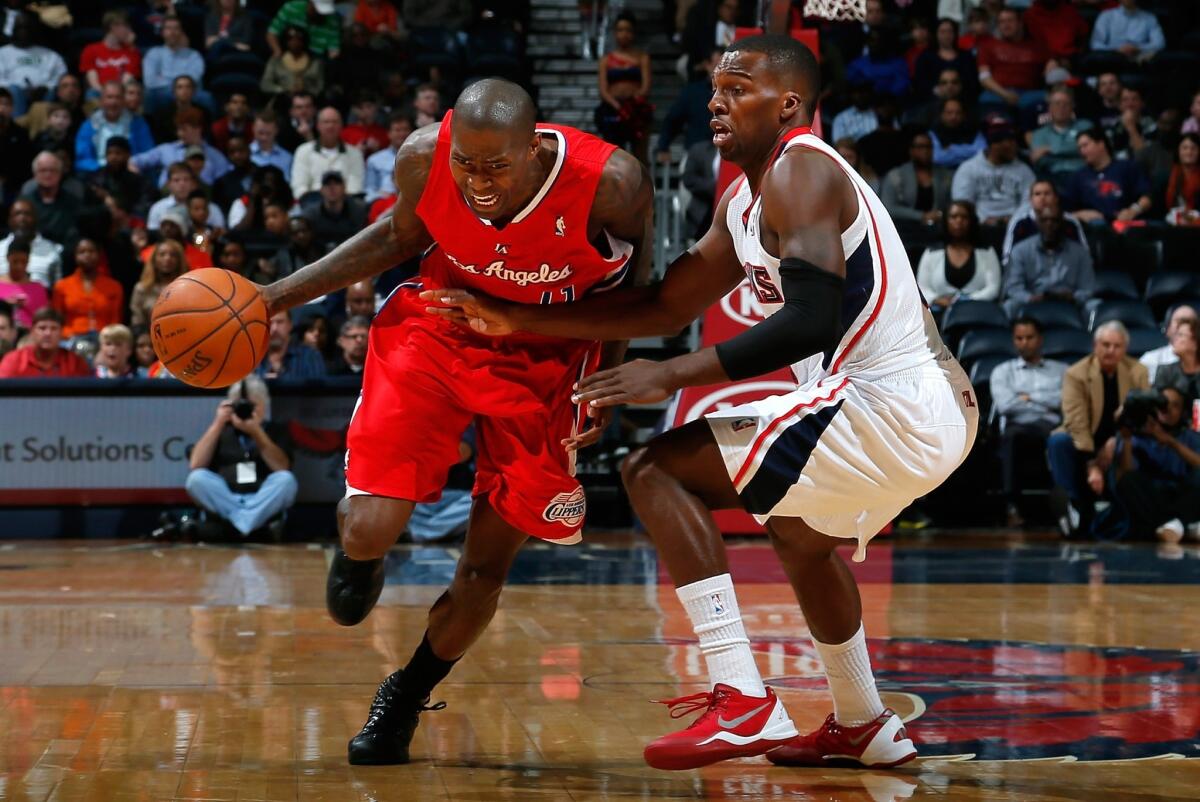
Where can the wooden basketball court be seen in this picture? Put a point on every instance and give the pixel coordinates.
(1030, 671)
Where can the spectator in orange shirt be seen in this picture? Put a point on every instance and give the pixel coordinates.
(380, 18)
(164, 264)
(43, 358)
(88, 300)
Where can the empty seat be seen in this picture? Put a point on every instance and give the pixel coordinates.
(962, 316)
(1167, 287)
(1053, 314)
(1115, 285)
(1131, 313)
(1143, 339)
(1066, 345)
(982, 369)
(978, 343)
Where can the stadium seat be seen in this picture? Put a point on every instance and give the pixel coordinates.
(232, 63)
(1131, 313)
(1167, 287)
(1143, 339)
(1053, 314)
(963, 316)
(494, 50)
(982, 368)
(1066, 345)
(433, 47)
(1115, 285)
(978, 343)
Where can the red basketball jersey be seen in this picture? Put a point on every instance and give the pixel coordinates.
(543, 254)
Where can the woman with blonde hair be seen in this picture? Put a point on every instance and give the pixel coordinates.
(164, 264)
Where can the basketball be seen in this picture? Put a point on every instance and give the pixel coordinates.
(209, 327)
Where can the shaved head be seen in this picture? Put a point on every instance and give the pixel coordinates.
(790, 61)
(494, 103)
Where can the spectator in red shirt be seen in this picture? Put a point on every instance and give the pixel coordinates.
(236, 122)
(1058, 27)
(1012, 67)
(113, 58)
(43, 358)
(364, 130)
(380, 18)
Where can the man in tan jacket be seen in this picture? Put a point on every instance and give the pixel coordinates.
(1093, 389)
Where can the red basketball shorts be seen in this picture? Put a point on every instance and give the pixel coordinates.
(426, 380)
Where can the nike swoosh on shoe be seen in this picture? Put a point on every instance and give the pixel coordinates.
(730, 724)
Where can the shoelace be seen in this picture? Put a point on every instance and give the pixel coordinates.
(384, 698)
(684, 705)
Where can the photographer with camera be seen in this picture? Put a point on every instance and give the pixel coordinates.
(1156, 465)
(239, 467)
(1093, 389)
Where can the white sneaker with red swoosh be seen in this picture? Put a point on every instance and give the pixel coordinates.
(882, 743)
(732, 725)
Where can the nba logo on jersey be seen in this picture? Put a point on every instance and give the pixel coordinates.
(560, 227)
(567, 508)
(718, 604)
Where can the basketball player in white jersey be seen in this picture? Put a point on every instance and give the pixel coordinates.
(881, 413)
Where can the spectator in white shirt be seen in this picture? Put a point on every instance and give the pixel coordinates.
(379, 166)
(960, 268)
(45, 256)
(181, 182)
(327, 153)
(1161, 357)
(26, 68)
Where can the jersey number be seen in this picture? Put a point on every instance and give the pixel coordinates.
(568, 295)
(968, 399)
(764, 289)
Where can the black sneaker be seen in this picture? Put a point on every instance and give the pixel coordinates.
(384, 739)
(352, 588)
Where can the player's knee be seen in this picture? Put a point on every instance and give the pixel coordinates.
(364, 536)
(639, 469)
(803, 548)
(477, 586)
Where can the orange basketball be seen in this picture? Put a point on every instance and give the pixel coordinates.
(209, 327)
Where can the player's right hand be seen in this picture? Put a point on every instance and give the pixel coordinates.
(481, 313)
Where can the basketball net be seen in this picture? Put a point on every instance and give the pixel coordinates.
(836, 9)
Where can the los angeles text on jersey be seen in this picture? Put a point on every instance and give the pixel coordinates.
(545, 274)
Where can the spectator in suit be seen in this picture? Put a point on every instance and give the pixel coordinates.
(1023, 224)
(1027, 395)
(42, 358)
(241, 465)
(1161, 357)
(301, 123)
(1050, 266)
(285, 359)
(700, 178)
(1093, 389)
(917, 191)
(961, 268)
(1157, 472)
(1105, 189)
(1183, 374)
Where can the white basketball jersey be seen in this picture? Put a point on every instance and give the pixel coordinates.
(886, 326)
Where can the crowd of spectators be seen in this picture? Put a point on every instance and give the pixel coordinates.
(154, 137)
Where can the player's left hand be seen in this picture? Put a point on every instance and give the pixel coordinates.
(480, 312)
(638, 382)
(600, 418)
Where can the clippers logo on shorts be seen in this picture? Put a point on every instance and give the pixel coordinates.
(568, 509)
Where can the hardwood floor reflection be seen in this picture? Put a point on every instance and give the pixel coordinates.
(190, 673)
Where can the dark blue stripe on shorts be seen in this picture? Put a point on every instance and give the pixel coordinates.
(785, 460)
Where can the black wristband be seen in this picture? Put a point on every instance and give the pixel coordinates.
(809, 323)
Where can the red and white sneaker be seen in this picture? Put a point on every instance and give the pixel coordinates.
(882, 743)
(732, 725)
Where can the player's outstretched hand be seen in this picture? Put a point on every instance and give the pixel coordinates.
(482, 313)
(600, 418)
(638, 382)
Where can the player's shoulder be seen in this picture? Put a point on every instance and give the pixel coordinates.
(414, 158)
(808, 173)
(624, 189)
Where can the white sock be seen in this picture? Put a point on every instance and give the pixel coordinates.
(716, 620)
(848, 669)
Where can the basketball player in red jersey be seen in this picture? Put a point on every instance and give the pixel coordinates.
(534, 214)
(881, 413)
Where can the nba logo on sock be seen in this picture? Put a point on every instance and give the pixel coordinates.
(718, 604)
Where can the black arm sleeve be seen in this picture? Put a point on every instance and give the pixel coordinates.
(810, 322)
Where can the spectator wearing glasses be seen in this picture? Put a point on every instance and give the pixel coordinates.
(352, 347)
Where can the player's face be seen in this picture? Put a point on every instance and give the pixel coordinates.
(748, 106)
(491, 168)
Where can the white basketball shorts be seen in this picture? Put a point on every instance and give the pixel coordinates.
(847, 454)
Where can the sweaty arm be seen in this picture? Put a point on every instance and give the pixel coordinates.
(388, 241)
